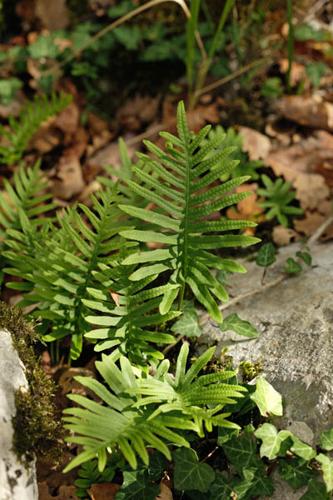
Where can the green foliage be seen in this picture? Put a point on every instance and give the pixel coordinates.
(8, 89)
(144, 410)
(181, 185)
(22, 129)
(241, 327)
(26, 194)
(266, 255)
(272, 88)
(88, 474)
(277, 198)
(230, 138)
(189, 473)
(268, 400)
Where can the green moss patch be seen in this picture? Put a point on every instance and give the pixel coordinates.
(37, 428)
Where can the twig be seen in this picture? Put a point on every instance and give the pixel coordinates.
(321, 229)
(170, 346)
(232, 76)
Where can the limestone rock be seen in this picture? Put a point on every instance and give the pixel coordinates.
(17, 482)
(295, 347)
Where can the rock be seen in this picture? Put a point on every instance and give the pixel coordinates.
(295, 348)
(18, 482)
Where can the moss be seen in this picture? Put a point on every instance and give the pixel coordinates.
(250, 370)
(37, 427)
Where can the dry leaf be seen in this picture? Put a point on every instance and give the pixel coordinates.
(68, 180)
(103, 491)
(309, 224)
(65, 492)
(53, 15)
(248, 208)
(310, 111)
(305, 156)
(69, 384)
(138, 111)
(201, 115)
(311, 190)
(165, 492)
(257, 145)
(282, 236)
(298, 71)
(68, 120)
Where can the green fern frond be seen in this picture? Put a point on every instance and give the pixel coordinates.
(27, 193)
(22, 129)
(133, 324)
(69, 263)
(184, 191)
(142, 410)
(277, 198)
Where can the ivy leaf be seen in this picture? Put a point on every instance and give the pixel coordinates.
(327, 468)
(301, 449)
(221, 488)
(137, 485)
(295, 471)
(241, 327)
(189, 473)
(244, 486)
(157, 466)
(326, 440)
(315, 491)
(268, 400)
(306, 257)
(188, 323)
(241, 451)
(292, 267)
(271, 440)
(266, 255)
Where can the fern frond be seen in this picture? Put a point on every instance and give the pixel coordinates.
(27, 193)
(22, 129)
(142, 410)
(134, 324)
(183, 189)
(86, 243)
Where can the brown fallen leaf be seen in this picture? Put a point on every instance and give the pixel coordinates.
(103, 491)
(165, 492)
(138, 111)
(68, 180)
(202, 115)
(68, 120)
(65, 492)
(67, 382)
(305, 156)
(310, 111)
(248, 208)
(282, 236)
(297, 73)
(53, 15)
(309, 224)
(311, 190)
(257, 145)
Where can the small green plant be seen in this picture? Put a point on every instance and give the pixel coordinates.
(277, 198)
(22, 129)
(88, 474)
(149, 410)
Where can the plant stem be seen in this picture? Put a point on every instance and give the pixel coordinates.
(207, 62)
(290, 41)
(191, 29)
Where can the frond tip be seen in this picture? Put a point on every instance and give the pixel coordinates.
(184, 185)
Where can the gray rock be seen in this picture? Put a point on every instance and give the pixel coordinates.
(295, 348)
(17, 481)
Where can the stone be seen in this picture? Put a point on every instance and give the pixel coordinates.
(17, 480)
(295, 347)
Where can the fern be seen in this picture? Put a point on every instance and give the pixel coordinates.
(67, 265)
(22, 129)
(143, 410)
(131, 323)
(277, 198)
(184, 191)
(27, 193)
